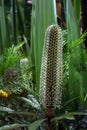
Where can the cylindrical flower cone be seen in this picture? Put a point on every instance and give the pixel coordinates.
(51, 68)
(51, 73)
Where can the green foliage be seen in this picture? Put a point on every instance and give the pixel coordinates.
(32, 101)
(77, 8)
(14, 21)
(36, 124)
(69, 116)
(74, 67)
(74, 57)
(78, 41)
(46, 17)
(32, 119)
(21, 112)
(12, 126)
(10, 58)
(13, 61)
(12, 25)
(4, 30)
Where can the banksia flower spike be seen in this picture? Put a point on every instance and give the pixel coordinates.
(51, 72)
(51, 68)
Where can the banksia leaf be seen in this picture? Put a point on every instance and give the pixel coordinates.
(51, 68)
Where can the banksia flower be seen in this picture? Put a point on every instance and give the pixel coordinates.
(51, 68)
(3, 93)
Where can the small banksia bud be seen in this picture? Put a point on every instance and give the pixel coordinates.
(51, 68)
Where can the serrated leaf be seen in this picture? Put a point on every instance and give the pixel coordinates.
(12, 126)
(69, 116)
(36, 124)
(78, 41)
(32, 114)
(32, 102)
(6, 109)
(10, 111)
(16, 48)
(64, 117)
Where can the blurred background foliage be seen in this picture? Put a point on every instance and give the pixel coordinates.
(14, 23)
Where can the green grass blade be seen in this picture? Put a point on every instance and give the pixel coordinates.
(3, 27)
(14, 22)
(36, 124)
(12, 126)
(77, 8)
(43, 15)
(72, 24)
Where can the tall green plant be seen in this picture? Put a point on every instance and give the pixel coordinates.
(77, 8)
(13, 17)
(12, 24)
(73, 33)
(75, 55)
(43, 15)
(4, 38)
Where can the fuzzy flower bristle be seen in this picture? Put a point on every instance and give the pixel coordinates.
(51, 68)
